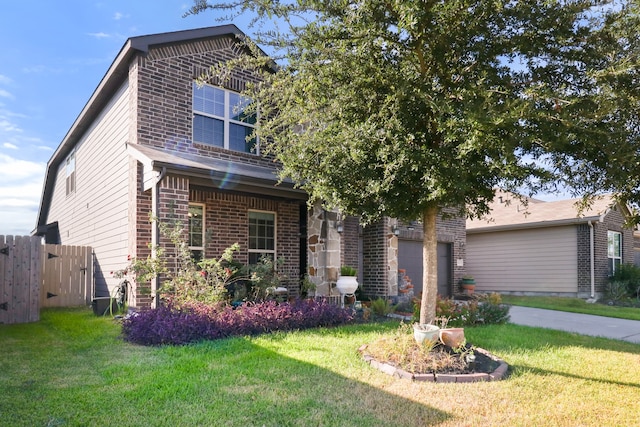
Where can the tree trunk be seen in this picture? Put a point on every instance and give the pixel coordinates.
(429, 265)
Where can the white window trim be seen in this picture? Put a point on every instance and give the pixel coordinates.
(275, 236)
(204, 228)
(609, 254)
(70, 178)
(226, 120)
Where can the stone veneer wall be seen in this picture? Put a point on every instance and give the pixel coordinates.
(324, 254)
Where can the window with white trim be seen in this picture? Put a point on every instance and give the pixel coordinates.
(262, 236)
(219, 119)
(70, 173)
(196, 230)
(614, 251)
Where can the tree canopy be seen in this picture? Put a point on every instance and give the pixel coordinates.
(401, 107)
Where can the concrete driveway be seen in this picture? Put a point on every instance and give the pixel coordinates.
(585, 324)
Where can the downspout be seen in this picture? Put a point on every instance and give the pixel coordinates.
(592, 260)
(155, 230)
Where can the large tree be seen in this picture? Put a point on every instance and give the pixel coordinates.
(402, 107)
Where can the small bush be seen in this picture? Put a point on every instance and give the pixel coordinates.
(628, 274)
(491, 311)
(486, 310)
(381, 307)
(197, 322)
(616, 290)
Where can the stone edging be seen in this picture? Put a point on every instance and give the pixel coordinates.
(497, 375)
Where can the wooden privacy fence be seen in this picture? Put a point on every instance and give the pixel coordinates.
(67, 276)
(33, 275)
(20, 274)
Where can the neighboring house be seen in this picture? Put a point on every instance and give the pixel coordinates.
(150, 140)
(548, 248)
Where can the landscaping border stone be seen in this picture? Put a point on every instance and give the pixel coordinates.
(498, 374)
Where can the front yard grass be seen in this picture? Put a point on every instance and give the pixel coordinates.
(71, 369)
(574, 305)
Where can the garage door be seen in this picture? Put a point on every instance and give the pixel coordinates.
(410, 259)
(531, 260)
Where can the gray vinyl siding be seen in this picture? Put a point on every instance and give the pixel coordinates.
(96, 214)
(537, 260)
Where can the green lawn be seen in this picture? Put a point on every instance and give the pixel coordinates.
(71, 369)
(575, 305)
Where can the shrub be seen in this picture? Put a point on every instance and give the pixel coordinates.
(486, 310)
(458, 313)
(628, 274)
(491, 311)
(381, 307)
(616, 290)
(194, 322)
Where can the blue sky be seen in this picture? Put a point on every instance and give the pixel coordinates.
(53, 54)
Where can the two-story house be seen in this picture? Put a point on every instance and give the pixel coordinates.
(152, 141)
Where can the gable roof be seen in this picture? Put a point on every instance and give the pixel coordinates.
(117, 73)
(509, 213)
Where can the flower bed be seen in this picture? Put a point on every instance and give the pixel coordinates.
(197, 322)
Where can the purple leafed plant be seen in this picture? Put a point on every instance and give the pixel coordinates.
(196, 322)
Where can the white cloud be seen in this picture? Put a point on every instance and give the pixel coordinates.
(5, 80)
(99, 35)
(20, 189)
(118, 16)
(15, 170)
(6, 94)
(7, 126)
(10, 145)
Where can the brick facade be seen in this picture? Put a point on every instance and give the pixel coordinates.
(450, 228)
(160, 86)
(227, 222)
(163, 81)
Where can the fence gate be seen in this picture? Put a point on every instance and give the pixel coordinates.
(67, 276)
(20, 279)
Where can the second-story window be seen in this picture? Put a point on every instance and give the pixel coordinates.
(70, 173)
(219, 119)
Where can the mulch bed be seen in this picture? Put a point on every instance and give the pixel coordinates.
(486, 367)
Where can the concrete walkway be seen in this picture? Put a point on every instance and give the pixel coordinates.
(584, 324)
